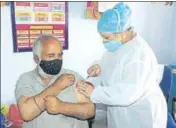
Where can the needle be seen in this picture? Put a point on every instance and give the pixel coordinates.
(87, 77)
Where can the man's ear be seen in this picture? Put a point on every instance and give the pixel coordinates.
(36, 59)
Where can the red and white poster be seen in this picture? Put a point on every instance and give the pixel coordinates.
(31, 19)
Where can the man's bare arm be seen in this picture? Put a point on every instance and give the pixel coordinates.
(31, 107)
(84, 109)
(78, 110)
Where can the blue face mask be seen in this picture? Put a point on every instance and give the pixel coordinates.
(112, 45)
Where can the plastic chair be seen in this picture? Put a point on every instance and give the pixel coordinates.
(14, 116)
(2, 120)
(166, 85)
(170, 122)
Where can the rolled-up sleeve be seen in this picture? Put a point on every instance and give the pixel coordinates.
(23, 87)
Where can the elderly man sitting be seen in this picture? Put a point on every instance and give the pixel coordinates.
(46, 96)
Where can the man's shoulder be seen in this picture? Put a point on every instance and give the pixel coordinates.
(25, 79)
(70, 72)
(27, 75)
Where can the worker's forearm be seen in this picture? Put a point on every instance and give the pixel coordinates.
(33, 106)
(79, 110)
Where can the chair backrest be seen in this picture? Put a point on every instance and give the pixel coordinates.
(14, 116)
(165, 83)
(2, 120)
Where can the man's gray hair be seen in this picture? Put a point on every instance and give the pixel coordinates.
(38, 41)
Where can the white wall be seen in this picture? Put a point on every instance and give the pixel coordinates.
(174, 40)
(159, 28)
(85, 43)
(157, 25)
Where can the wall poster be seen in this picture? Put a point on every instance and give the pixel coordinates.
(92, 10)
(31, 19)
(95, 9)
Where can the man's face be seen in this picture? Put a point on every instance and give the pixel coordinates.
(51, 49)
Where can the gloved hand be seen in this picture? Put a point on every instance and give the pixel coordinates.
(86, 88)
(94, 70)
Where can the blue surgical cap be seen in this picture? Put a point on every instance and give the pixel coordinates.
(115, 20)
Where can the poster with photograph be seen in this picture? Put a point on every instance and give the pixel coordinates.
(31, 19)
(92, 10)
(95, 9)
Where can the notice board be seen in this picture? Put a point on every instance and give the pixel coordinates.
(31, 19)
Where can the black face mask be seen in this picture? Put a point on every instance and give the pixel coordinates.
(51, 67)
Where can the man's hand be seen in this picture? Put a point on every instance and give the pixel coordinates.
(83, 110)
(53, 104)
(65, 80)
(85, 88)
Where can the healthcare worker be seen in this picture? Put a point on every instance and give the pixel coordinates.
(125, 79)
